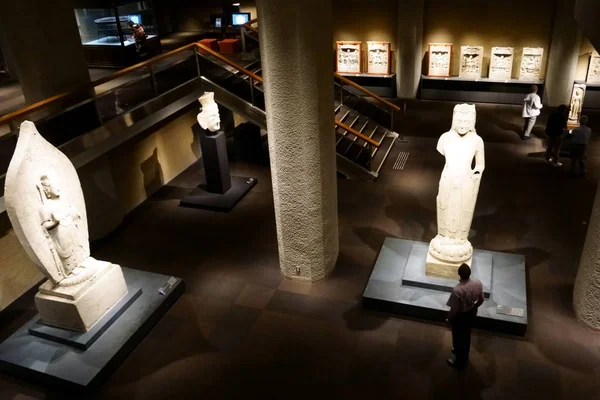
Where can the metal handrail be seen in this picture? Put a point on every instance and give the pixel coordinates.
(7, 118)
(367, 92)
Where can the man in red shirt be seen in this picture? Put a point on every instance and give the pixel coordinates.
(464, 301)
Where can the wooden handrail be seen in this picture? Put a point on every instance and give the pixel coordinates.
(229, 62)
(366, 91)
(357, 133)
(43, 103)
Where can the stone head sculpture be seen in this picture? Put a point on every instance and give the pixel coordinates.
(463, 118)
(208, 118)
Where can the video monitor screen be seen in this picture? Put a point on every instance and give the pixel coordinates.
(240, 18)
(217, 22)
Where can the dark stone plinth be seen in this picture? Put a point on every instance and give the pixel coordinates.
(51, 363)
(386, 292)
(414, 272)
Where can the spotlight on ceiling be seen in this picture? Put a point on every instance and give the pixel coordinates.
(236, 4)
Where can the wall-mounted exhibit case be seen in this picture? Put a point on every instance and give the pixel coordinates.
(440, 59)
(531, 63)
(576, 103)
(501, 63)
(348, 56)
(379, 58)
(593, 72)
(107, 35)
(471, 62)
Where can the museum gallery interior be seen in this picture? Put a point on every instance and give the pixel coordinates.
(292, 198)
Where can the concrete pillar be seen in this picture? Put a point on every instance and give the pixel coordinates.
(295, 48)
(563, 55)
(586, 294)
(44, 40)
(409, 53)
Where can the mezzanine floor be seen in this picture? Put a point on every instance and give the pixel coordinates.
(242, 330)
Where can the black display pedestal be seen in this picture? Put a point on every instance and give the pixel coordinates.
(221, 191)
(60, 360)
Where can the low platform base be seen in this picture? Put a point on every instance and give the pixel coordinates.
(386, 291)
(56, 363)
(200, 198)
(415, 272)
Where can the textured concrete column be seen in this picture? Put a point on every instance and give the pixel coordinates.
(409, 53)
(295, 47)
(586, 294)
(563, 55)
(45, 45)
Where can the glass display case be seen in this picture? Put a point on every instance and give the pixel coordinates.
(118, 36)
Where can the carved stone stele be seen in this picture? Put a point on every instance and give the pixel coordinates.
(593, 73)
(440, 59)
(46, 208)
(531, 63)
(471, 62)
(501, 63)
(457, 194)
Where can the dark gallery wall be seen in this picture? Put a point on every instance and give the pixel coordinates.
(512, 23)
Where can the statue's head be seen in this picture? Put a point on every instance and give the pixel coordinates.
(49, 185)
(463, 119)
(209, 114)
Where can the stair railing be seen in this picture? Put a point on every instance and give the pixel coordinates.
(393, 108)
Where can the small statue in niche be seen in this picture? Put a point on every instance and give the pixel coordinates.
(209, 118)
(458, 187)
(60, 221)
(576, 104)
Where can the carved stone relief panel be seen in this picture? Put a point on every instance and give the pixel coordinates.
(349, 57)
(531, 63)
(576, 105)
(471, 62)
(440, 59)
(378, 58)
(501, 63)
(593, 74)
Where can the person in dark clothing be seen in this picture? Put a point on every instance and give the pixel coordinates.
(464, 301)
(557, 122)
(580, 137)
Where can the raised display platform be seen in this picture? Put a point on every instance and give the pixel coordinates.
(482, 90)
(414, 272)
(51, 361)
(500, 312)
(200, 198)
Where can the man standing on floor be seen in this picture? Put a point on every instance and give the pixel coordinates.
(580, 138)
(557, 122)
(464, 301)
(531, 109)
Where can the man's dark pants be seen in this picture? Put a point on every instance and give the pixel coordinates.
(553, 150)
(461, 336)
(578, 156)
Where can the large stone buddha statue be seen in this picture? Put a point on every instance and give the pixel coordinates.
(457, 195)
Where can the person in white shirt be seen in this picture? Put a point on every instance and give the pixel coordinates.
(531, 109)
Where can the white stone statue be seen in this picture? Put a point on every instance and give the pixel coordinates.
(576, 103)
(46, 208)
(209, 118)
(457, 195)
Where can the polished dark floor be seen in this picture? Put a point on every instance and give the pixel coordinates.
(243, 331)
